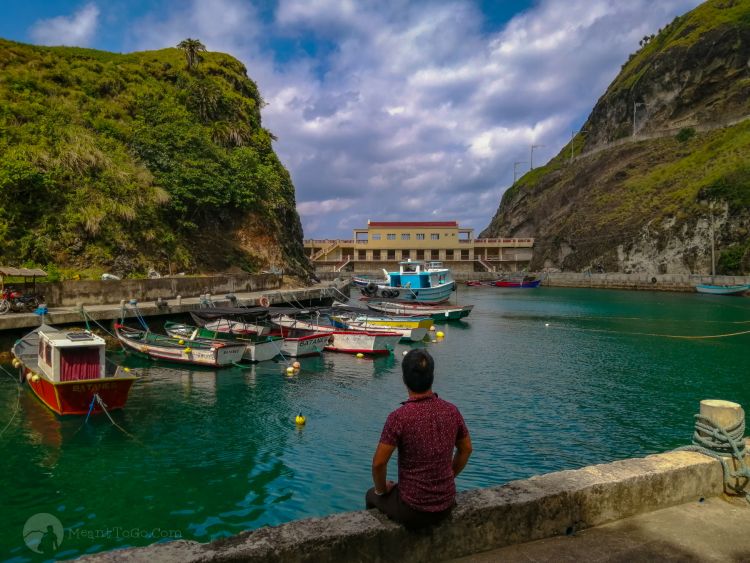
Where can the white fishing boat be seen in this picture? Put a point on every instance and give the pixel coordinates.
(350, 323)
(229, 325)
(305, 344)
(257, 348)
(436, 312)
(349, 341)
(722, 289)
(415, 281)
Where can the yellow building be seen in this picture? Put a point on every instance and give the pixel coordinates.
(384, 243)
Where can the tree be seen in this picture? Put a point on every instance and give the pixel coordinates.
(191, 48)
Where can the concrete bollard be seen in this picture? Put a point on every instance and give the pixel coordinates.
(722, 413)
(179, 300)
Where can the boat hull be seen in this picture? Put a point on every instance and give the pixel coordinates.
(255, 351)
(436, 312)
(311, 345)
(722, 289)
(74, 397)
(522, 284)
(397, 322)
(354, 342)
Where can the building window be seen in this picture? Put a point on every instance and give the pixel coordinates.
(391, 236)
(405, 236)
(391, 255)
(434, 255)
(376, 255)
(420, 254)
(435, 236)
(405, 255)
(420, 236)
(449, 254)
(464, 254)
(361, 255)
(376, 236)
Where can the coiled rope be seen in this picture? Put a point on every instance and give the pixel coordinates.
(721, 443)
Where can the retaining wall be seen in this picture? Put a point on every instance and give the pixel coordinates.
(650, 282)
(68, 293)
(484, 519)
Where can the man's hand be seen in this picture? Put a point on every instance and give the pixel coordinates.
(380, 467)
(463, 451)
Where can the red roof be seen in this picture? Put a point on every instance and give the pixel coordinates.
(412, 224)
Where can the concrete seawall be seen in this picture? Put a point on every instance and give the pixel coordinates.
(520, 511)
(648, 282)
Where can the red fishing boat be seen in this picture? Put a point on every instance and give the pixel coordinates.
(68, 373)
(520, 281)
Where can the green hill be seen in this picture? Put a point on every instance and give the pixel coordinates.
(645, 203)
(125, 162)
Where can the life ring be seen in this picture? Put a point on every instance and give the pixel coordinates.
(264, 302)
(653, 280)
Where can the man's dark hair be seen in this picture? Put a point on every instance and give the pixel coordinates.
(418, 368)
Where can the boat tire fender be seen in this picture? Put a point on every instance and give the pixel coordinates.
(371, 288)
(394, 293)
(653, 280)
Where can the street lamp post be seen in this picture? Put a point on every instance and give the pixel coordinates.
(636, 105)
(515, 170)
(572, 137)
(531, 156)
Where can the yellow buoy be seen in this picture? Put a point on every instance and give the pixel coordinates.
(126, 370)
(34, 378)
(187, 350)
(296, 365)
(300, 420)
(290, 370)
(16, 363)
(440, 334)
(360, 355)
(28, 376)
(180, 342)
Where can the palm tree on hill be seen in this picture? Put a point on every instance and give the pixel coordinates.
(191, 48)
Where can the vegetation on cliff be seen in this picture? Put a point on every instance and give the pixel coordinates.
(647, 203)
(129, 161)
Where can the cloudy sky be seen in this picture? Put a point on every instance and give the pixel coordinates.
(389, 109)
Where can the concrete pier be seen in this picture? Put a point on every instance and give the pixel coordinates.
(171, 306)
(554, 505)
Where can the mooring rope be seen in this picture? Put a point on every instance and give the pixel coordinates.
(721, 443)
(675, 336)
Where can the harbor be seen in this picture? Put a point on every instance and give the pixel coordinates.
(210, 453)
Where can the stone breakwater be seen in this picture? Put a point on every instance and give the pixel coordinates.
(520, 511)
(647, 282)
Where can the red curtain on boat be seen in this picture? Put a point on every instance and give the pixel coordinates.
(79, 363)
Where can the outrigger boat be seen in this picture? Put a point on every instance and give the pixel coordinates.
(67, 371)
(415, 281)
(436, 312)
(162, 347)
(257, 348)
(348, 341)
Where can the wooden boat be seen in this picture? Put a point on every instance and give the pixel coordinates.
(473, 283)
(348, 322)
(297, 345)
(257, 348)
(67, 371)
(227, 325)
(436, 312)
(520, 281)
(395, 321)
(722, 289)
(162, 347)
(415, 281)
(349, 341)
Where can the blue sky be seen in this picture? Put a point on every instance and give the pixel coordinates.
(388, 109)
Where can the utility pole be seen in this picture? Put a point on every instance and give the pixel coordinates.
(636, 105)
(515, 170)
(713, 242)
(531, 156)
(572, 138)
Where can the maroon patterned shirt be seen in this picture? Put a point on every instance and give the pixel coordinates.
(425, 431)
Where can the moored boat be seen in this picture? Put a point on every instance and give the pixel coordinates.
(415, 281)
(257, 348)
(395, 321)
(436, 312)
(67, 371)
(347, 322)
(722, 289)
(518, 281)
(162, 347)
(349, 341)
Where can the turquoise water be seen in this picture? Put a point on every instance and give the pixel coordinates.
(211, 453)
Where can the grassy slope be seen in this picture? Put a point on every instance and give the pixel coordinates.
(123, 161)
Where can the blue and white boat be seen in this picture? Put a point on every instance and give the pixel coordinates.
(415, 281)
(722, 289)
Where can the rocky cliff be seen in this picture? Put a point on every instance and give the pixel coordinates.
(126, 162)
(646, 196)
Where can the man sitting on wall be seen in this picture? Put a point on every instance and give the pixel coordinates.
(426, 430)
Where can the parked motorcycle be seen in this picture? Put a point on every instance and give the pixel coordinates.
(14, 300)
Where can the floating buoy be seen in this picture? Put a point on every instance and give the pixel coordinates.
(28, 376)
(406, 352)
(34, 378)
(180, 342)
(300, 420)
(440, 334)
(434, 340)
(296, 365)
(433, 327)
(187, 350)
(290, 370)
(360, 355)
(16, 363)
(126, 370)
(546, 324)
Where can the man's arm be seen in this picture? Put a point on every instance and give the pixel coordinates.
(461, 457)
(380, 467)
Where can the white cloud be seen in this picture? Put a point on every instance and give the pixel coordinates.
(78, 29)
(413, 110)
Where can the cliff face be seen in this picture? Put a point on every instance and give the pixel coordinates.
(647, 204)
(126, 162)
